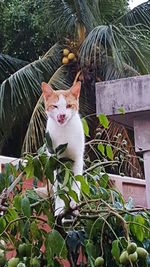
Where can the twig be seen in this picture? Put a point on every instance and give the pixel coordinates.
(99, 164)
(101, 241)
(20, 219)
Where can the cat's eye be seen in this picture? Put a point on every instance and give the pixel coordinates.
(54, 106)
(69, 106)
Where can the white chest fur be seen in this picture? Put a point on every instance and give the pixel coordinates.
(71, 133)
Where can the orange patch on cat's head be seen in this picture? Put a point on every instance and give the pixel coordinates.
(51, 96)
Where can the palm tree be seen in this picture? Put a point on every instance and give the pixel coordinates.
(109, 40)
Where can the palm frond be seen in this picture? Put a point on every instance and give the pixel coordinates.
(9, 65)
(107, 11)
(36, 129)
(140, 15)
(67, 14)
(118, 42)
(107, 71)
(20, 92)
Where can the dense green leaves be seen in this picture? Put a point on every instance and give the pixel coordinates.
(27, 34)
(102, 225)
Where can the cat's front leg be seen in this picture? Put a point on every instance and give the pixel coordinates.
(59, 203)
(59, 206)
(76, 186)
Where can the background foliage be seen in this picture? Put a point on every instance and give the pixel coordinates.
(25, 28)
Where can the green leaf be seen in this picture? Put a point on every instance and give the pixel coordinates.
(84, 185)
(121, 110)
(104, 180)
(49, 143)
(34, 230)
(73, 195)
(38, 172)
(85, 127)
(90, 249)
(17, 202)
(123, 241)
(26, 230)
(109, 152)
(49, 169)
(61, 148)
(11, 214)
(64, 198)
(2, 224)
(49, 256)
(137, 228)
(29, 168)
(56, 243)
(101, 148)
(103, 120)
(115, 251)
(66, 178)
(25, 206)
(42, 150)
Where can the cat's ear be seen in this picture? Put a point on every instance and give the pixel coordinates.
(46, 90)
(75, 89)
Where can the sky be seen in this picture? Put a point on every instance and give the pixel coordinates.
(134, 3)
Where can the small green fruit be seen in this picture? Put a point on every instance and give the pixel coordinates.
(142, 253)
(35, 262)
(21, 264)
(124, 258)
(2, 261)
(133, 257)
(131, 248)
(99, 261)
(13, 262)
(22, 250)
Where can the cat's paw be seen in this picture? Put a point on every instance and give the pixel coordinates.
(74, 206)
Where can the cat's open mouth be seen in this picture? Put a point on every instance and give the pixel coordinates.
(61, 119)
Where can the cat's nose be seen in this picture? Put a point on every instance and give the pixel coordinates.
(61, 118)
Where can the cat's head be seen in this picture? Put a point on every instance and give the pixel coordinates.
(61, 105)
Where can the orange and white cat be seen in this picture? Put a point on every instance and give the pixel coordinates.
(64, 126)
